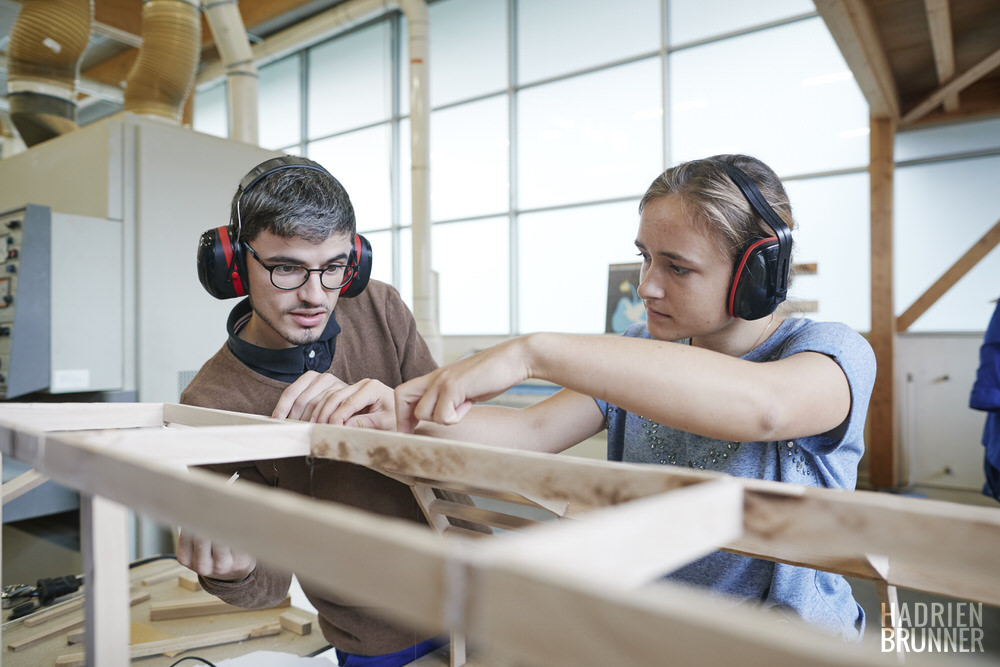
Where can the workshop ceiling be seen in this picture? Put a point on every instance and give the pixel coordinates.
(916, 61)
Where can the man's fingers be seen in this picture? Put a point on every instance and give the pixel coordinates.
(297, 400)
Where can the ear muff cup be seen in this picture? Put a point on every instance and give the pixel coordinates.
(221, 265)
(760, 274)
(752, 295)
(360, 265)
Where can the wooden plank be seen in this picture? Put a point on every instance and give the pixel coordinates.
(584, 624)
(559, 479)
(959, 83)
(632, 544)
(425, 498)
(211, 445)
(189, 415)
(175, 571)
(189, 581)
(882, 408)
(202, 605)
(182, 643)
(104, 530)
(853, 29)
(296, 621)
(939, 22)
(76, 416)
(915, 537)
(479, 515)
(64, 608)
(326, 537)
(20, 485)
(62, 626)
(956, 272)
(556, 508)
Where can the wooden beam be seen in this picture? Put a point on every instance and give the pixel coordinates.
(581, 624)
(199, 605)
(104, 542)
(963, 265)
(960, 82)
(881, 410)
(655, 535)
(182, 643)
(853, 29)
(939, 22)
(306, 536)
(79, 416)
(20, 485)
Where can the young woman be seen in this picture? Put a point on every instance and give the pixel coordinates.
(715, 379)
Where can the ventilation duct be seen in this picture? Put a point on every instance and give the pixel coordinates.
(163, 73)
(43, 63)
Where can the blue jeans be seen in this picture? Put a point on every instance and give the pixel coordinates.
(404, 657)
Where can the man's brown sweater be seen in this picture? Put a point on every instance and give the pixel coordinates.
(379, 340)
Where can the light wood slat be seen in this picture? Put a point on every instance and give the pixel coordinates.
(40, 617)
(939, 22)
(183, 643)
(20, 485)
(480, 515)
(105, 548)
(77, 416)
(457, 531)
(202, 605)
(853, 29)
(955, 272)
(882, 337)
(655, 535)
(959, 83)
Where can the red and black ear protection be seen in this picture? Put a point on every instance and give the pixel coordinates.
(760, 275)
(222, 267)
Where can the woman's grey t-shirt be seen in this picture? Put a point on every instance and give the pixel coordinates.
(830, 460)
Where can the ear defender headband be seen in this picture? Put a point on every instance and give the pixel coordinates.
(760, 275)
(222, 266)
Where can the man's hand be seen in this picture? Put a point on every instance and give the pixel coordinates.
(300, 398)
(364, 404)
(213, 560)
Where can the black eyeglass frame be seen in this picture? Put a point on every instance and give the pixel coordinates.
(349, 271)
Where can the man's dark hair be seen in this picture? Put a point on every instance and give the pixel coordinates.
(303, 202)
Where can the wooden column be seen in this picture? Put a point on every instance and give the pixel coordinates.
(882, 411)
(104, 537)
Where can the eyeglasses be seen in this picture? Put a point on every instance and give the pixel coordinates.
(294, 276)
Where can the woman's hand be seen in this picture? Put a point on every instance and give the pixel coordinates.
(445, 395)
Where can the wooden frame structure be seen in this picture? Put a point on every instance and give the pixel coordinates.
(859, 28)
(573, 592)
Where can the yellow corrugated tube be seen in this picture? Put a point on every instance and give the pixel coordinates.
(164, 72)
(43, 63)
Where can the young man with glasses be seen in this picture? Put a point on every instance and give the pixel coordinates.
(310, 315)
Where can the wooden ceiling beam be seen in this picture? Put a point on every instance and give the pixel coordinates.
(939, 23)
(853, 29)
(960, 82)
(124, 15)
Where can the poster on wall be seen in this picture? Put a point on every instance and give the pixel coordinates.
(624, 305)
